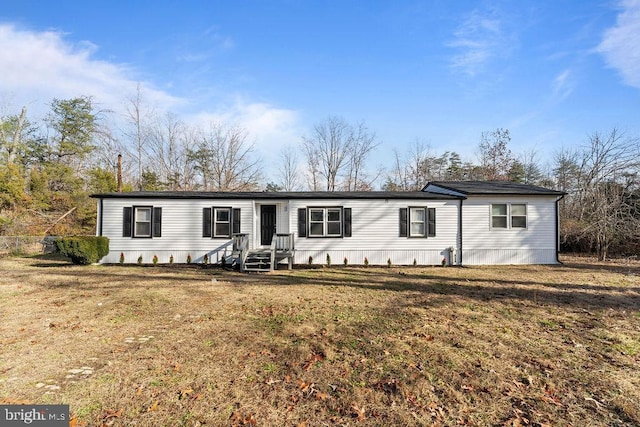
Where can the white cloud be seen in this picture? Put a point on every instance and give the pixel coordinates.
(270, 128)
(39, 66)
(620, 46)
(263, 121)
(36, 67)
(478, 40)
(562, 86)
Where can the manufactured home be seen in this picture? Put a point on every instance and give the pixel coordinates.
(457, 223)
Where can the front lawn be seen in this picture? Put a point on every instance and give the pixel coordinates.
(156, 346)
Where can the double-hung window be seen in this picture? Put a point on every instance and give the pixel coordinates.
(418, 219)
(499, 216)
(417, 222)
(142, 221)
(142, 226)
(505, 215)
(324, 222)
(518, 216)
(220, 222)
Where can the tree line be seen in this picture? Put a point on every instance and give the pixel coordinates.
(49, 168)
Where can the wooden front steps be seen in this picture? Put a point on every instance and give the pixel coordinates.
(266, 259)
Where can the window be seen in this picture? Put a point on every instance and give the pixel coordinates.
(324, 222)
(509, 215)
(519, 216)
(499, 216)
(220, 222)
(142, 227)
(142, 221)
(417, 222)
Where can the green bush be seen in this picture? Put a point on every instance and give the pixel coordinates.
(83, 249)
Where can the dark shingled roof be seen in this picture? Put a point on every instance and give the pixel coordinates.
(325, 195)
(494, 188)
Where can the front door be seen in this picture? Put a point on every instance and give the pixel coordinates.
(267, 224)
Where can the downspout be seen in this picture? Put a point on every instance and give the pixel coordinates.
(558, 229)
(100, 209)
(460, 233)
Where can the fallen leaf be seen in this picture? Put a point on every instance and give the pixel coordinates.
(287, 379)
(315, 357)
(154, 406)
(239, 419)
(321, 396)
(185, 393)
(303, 386)
(109, 413)
(358, 412)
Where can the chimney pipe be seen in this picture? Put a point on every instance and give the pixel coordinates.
(119, 178)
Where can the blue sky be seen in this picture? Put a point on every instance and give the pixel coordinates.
(440, 72)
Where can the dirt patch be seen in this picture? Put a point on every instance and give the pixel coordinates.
(516, 345)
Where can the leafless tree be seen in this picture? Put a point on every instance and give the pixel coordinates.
(422, 166)
(289, 175)
(139, 119)
(169, 139)
(336, 153)
(607, 190)
(494, 154)
(225, 161)
(361, 144)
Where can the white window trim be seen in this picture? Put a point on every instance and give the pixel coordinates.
(215, 222)
(424, 222)
(136, 222)
(509, 216)
(325, 221)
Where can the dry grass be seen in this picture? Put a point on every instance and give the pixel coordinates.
(154, 346)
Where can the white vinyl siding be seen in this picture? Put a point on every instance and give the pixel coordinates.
(181, 230)
(374, 234)
(484, 244)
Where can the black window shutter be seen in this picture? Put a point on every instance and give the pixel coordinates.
(126, 221)
(302, 222)
(206, 222)
(157, 222)
(346, 212)
(403, 222)
(431, 222)
(236, 220)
